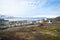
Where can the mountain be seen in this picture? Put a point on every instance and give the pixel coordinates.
(21, 18)
(2, 16)
(6, 17)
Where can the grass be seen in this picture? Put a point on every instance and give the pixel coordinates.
(50, 32)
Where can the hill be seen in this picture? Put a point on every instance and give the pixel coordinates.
(48, 32)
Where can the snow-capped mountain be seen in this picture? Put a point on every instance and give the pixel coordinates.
(6, 17)
(21, 18)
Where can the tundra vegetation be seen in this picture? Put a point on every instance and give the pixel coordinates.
(45, 32)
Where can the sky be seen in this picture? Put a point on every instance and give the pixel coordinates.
(30, 8)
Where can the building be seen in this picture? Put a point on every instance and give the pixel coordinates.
(3, 22)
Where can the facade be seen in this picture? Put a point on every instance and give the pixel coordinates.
(3, 22)
(49, 21)
(40, 21)
(19, 23)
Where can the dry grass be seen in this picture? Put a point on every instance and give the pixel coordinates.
(51, 32)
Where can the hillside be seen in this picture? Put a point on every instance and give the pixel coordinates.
(50, 32)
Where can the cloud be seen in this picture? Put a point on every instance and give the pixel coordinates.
(17, 7)
(48, 16)
(29, 7)
(51, 7)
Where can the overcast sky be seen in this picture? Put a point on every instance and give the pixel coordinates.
(29, 8)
